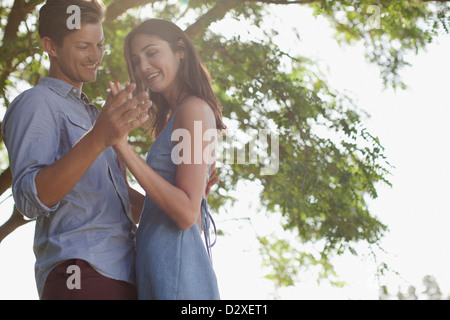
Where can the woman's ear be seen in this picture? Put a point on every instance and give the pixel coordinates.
(49, 46)
(182, 49)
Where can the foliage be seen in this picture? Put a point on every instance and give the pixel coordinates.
(329, 164)
(388, 29)
(431, 291)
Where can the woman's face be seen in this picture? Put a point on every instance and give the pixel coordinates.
(155, 64)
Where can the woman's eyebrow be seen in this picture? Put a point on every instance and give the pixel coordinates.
(143, 49)
(149, 45)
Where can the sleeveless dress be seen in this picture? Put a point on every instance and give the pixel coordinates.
(172, 264)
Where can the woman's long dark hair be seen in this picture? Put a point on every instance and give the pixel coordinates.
(195, 78)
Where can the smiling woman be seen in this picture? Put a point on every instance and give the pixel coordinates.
(150, 56)
(152, 53)
(171, 260)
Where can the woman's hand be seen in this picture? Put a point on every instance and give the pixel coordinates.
(213, 179)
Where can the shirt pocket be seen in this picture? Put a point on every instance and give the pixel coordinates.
(76, 128)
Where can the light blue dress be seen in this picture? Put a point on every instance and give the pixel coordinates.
(172, 264)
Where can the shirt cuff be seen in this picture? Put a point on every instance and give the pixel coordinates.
(31, 205)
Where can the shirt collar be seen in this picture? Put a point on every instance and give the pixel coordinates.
(60, 87)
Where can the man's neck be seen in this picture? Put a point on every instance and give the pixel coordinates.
(57, 74)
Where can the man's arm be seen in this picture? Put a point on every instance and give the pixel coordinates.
(55, 181)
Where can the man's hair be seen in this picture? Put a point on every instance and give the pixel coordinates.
(53, 17)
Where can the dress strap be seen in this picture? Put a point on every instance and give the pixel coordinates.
(207, 220)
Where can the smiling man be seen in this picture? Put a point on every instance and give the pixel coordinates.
(65, 171)
(79, 55)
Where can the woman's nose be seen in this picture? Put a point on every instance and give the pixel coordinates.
(145, 65)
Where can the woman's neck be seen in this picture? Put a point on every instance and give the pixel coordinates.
(175, 95)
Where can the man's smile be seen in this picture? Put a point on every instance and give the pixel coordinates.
(91, 66)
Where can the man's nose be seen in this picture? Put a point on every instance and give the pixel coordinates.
(96, 55)
(100, 53)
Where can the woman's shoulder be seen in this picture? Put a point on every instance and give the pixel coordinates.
(195, 104)
(194, 109)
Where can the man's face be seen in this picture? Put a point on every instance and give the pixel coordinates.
(80, 55)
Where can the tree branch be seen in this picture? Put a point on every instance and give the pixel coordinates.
(312, 1)
(17, 15)
(218, 12)
(284, 1)
(5, 180)
(19, 12)
(119, 7)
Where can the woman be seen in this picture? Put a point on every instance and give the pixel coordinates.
(171, 260)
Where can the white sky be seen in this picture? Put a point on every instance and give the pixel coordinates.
(413, 127)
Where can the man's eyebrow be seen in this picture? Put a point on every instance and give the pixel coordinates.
(86, 42)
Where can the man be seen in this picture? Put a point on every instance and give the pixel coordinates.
(65, 171)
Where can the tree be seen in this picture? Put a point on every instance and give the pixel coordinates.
(328, 161)
(431, 291)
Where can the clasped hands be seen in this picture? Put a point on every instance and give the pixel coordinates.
(120, 114)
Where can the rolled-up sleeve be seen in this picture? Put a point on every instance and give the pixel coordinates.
(31, 134)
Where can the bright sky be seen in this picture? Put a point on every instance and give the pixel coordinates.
(413, 127)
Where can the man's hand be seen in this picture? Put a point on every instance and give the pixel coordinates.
(119, 116)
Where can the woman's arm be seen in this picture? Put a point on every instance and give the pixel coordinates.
(181, 201)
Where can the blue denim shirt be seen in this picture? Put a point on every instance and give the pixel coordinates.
(93, 222)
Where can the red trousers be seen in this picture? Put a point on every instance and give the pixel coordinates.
(76, 280)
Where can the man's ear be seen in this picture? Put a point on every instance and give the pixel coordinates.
(49, 46)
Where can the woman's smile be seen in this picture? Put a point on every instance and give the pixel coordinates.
(152, 77)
